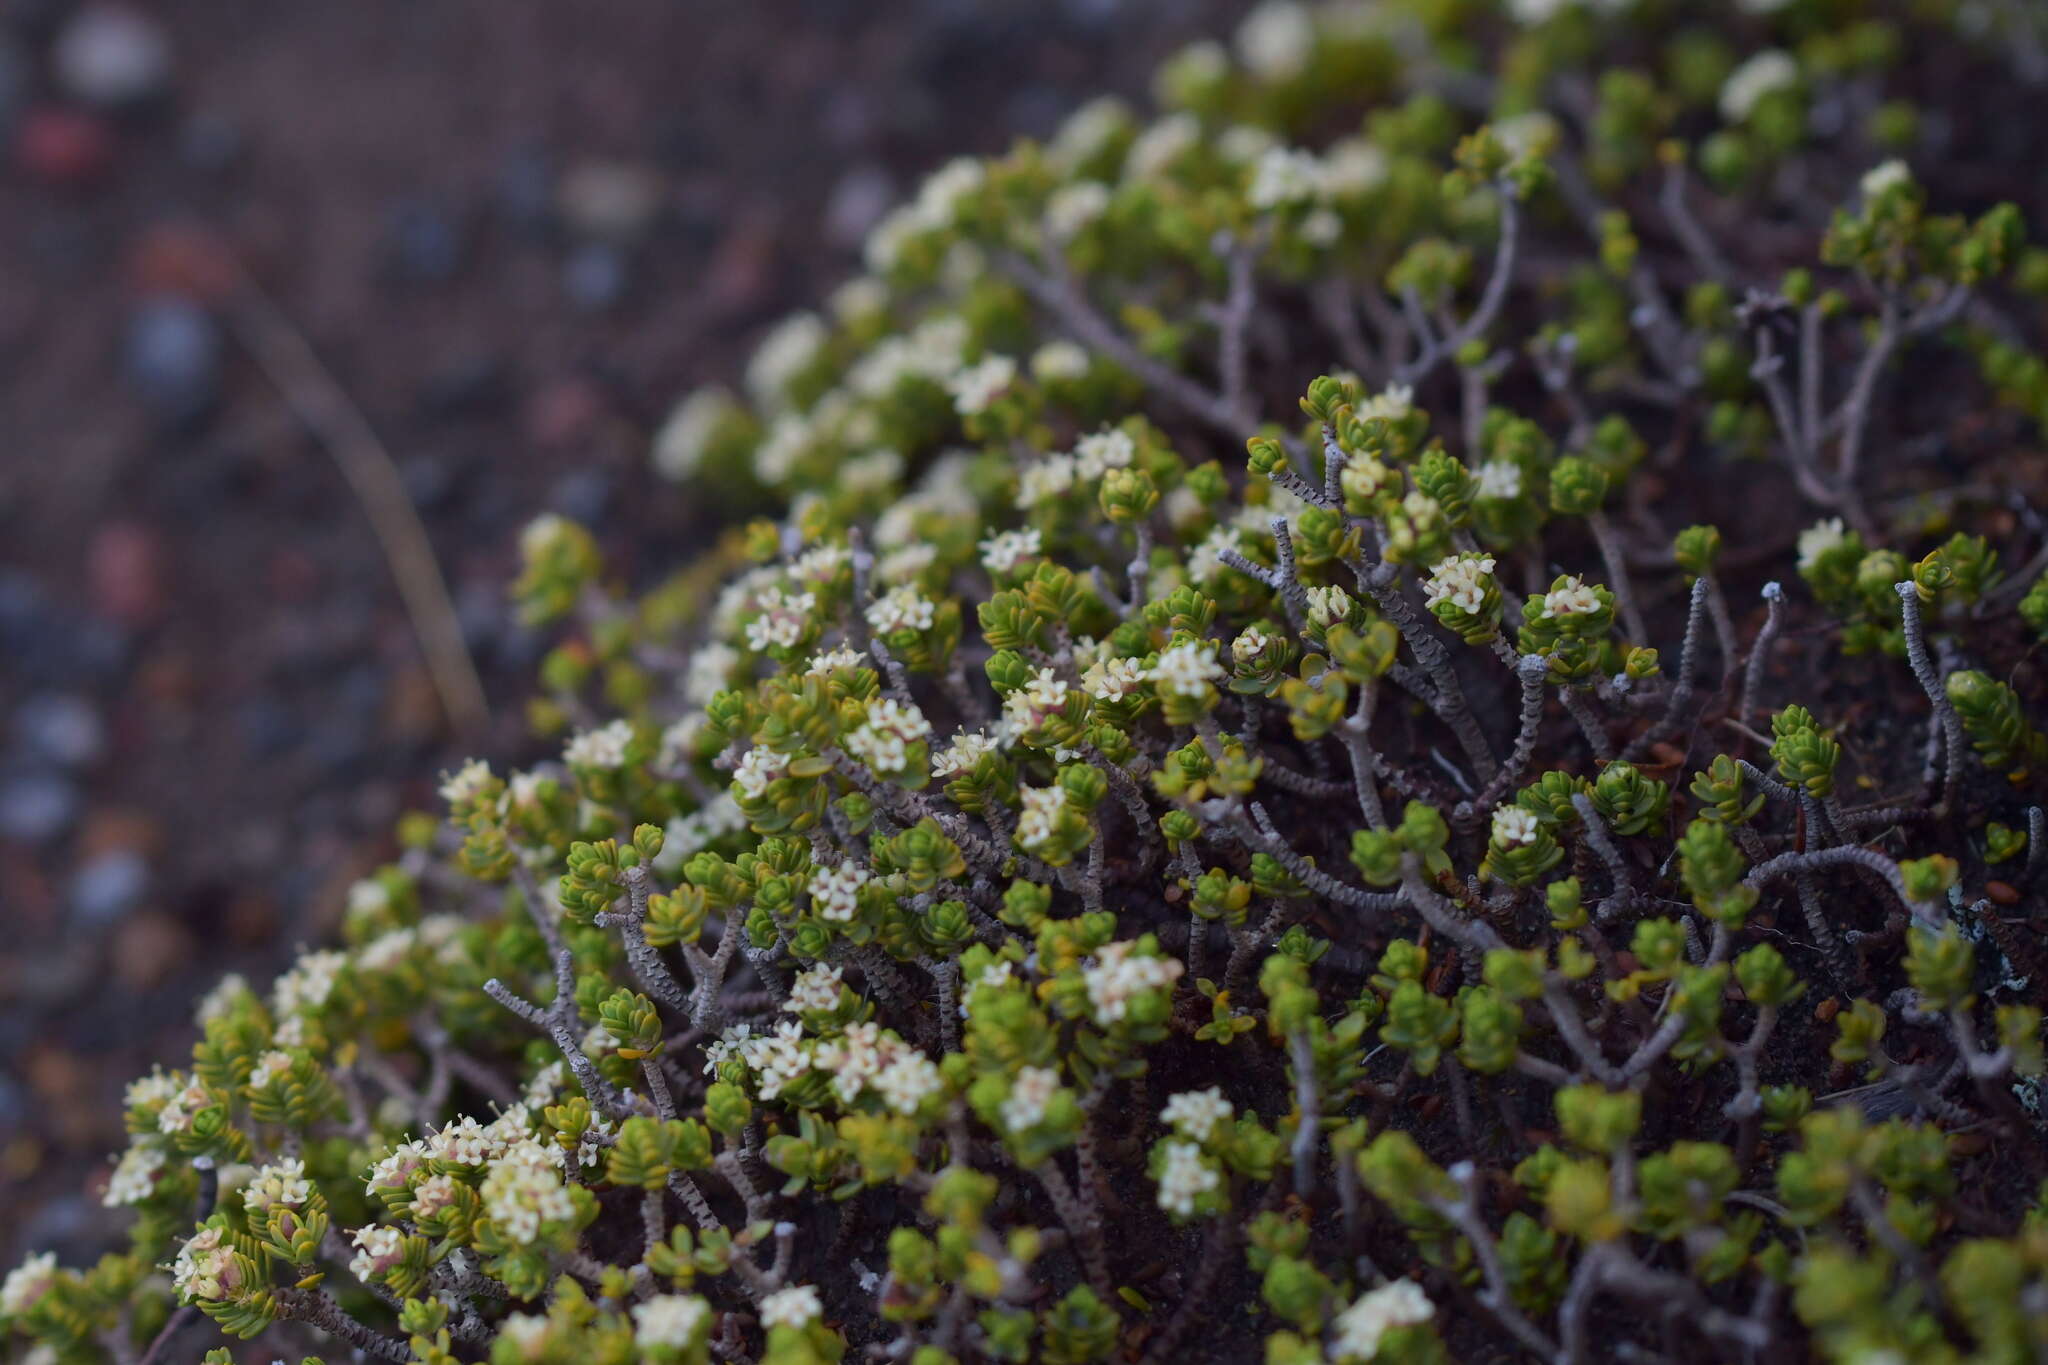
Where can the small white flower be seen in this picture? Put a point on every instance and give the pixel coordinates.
(1572, 598)
(1276, 40)
(467, 782)
(835, 891)
(906, 1082)
(1159, 146)
(1284, 175)
(1249, 644)
(820, 564)
(1188, 670)
(1113, 679)
(1819, 538)
(1102, 451)
(709, 672)
(1328, 606)
(1087, 131)
(523, 1191)
(1184, 1178)
(961, 754)
(900, 566)
(1500, 479)
(1073, 207)
(831, 659)
(783, 354)
(27, 1283)
(204, 1271)
(782, 620)
(860, 297)
(134, 1177)
(1353, 167)
(378, 1248)
(281, 1182)
(669, 1320)
(815, 988)
(1765, 74)
(308, 984)
(1040, 819)
(1118, 975)
(1195, 1113)
(939, 198)
(1360, 1328)
(796, 1306)
(1885, 176)
(1029, 1095)
(1044, 479)
(979, 385)
(1512, 825)
(1061, 359)
(788, 440)
(1322, 228)
(1461, 580)
(900, 608)
(1394, 402)
(757, 768)
(1006, 550)
(602, 748)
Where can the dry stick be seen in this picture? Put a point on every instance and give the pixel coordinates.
(1490, 301)
(1688, 673)
(315, 1307)
(325, 409)
(1617, 574)
(1532, 670)
(1588, 720)
(1449, 702)
(1753, 672)
(1308, 1125)
(1945, 719)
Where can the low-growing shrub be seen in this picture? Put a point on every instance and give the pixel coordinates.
(1223, 817)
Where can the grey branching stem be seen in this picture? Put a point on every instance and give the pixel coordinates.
(1945, 718)
(1760, 651)
(315, 1307)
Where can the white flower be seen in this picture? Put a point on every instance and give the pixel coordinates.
(1284, 175)
(134, 1177)
(962, 753)
(1113, 679)
(1160, 145)
(1003, 552)
(820, 564)
(796, 1306)
(815, 988)
(522, 1191)
(979, 385)
(1460, 580)
(308, 984)
(871, 473)
(527, 1331)
(386, 952)
(828, 660)
(395, 1169)
(775, 459)
(1764, 74)
(1500, 479)
(1242, 144)
(1047, 478)
(900, 608)
(783, 354)
(1276, 39)
(905, 1082)
(1195, 1113)
(1042, 808)
(204, 1270)
(1185, 1177)
(1073, 207)
(1061, 359)
(1761, 6)
(281, 1182)
(1118, 975)
(669, 1320)
(1037, 702)
(1884, 176)
(938, 199)
(782, 621)
(835, 890)
(1102, 451)
(1526, 134)
(218, 1001)
(1819, 538)
(1351, 168)
(884, 742)
(1322, 228)
(1529, 13)
(1398, 1303)
(378, 1248)
(757, 768)
(1512, 825)
(900, 566)
(860, 297)
(688, 834)
(1249, 644)
(1205, 561)
(1029, 1095)
(27, 1283)
(709, 672)
(601, 748)
(467, 782)
(539, 535)
(1393, 403)
(155, 1088)
(1573, 598)
(1187, 670)
(1328, 606)
(1087, 131)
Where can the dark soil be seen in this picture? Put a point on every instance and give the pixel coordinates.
(216, 704)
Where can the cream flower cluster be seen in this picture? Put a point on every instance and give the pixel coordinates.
(522, 1191)
(815, 988)
(900, 608)
(1037, 702)
(864, 1057)
(669, 1320)
(782, 620)
(1118, 974)
(205, 1268)
(757, 768)
(1512, 825)
(281, 1182)
(1030, 1093)
(1362, 1326)
(962, 752)
(1043, 807)
(1461, 580)
(1005, 551)
(883, 743)
(134, 1178)
(1113, 679)
(796, 1306)
(1185, 1177)
(976, 388)
(601, 748)
(835, 891)
(1188, 669)
(1571, 598)
(1195, 1113)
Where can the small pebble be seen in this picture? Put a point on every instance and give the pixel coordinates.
(108, 886)
(112, 56)
(173, 354)
(60, 728)
(594, 277)
(36, 808)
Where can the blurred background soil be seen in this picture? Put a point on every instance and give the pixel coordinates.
(515, 231)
